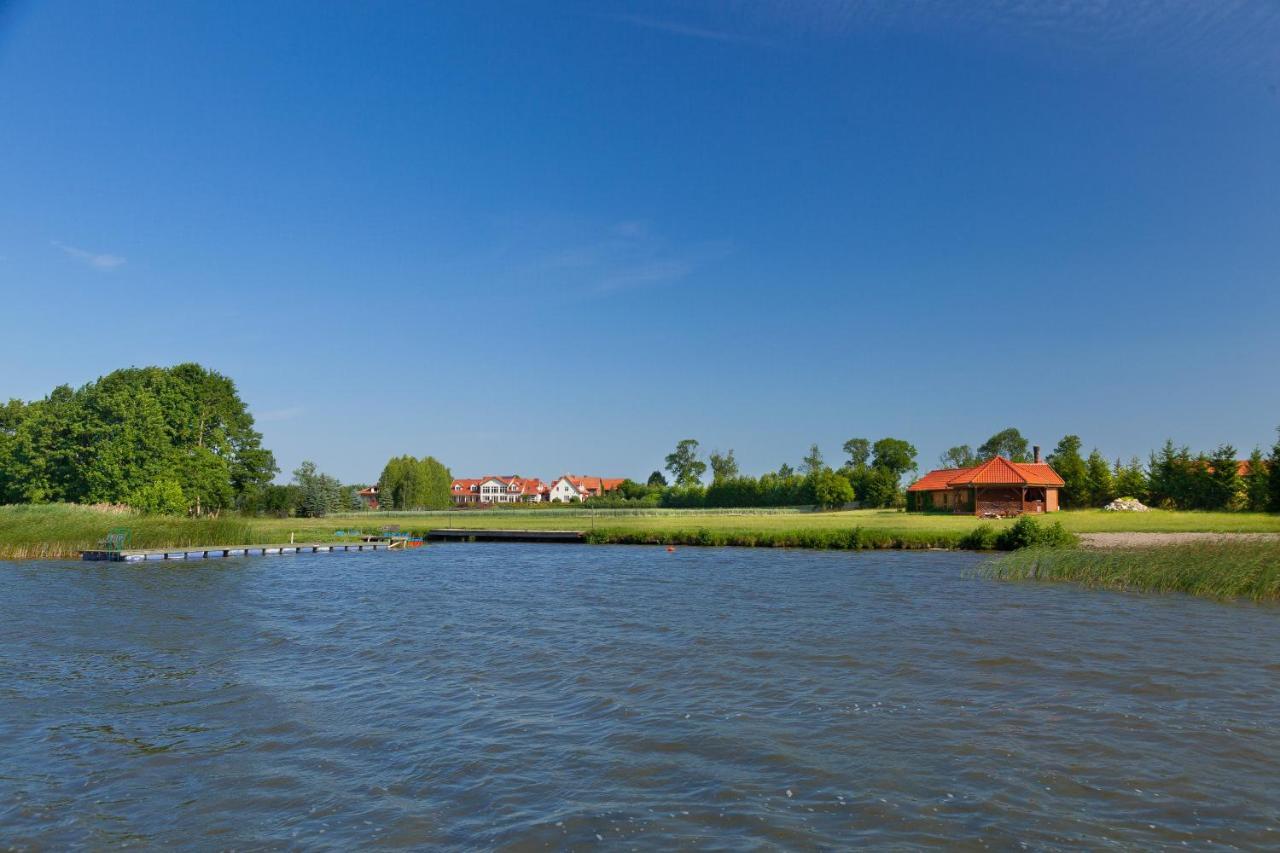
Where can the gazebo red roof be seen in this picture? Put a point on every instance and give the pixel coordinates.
(997, 471)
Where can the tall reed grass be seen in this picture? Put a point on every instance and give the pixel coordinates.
(1222, 570)
(63, 530)
(850, 539)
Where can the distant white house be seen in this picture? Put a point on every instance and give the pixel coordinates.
(498, 490)
(572, 488)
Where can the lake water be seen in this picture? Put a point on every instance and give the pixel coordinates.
(534, 696)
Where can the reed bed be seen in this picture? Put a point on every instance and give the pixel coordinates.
(63, 530)
(1247, 570)
(851, 539)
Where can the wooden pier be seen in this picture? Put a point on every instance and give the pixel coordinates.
(204, 552)
(454, 534)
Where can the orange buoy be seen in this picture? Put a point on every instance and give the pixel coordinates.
(671, 549)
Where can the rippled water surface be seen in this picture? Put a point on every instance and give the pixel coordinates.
(536, 696)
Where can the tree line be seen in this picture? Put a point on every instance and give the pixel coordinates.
(871, 475)
(175, 439)
(180, 440)
(168, 440)
(1172, 478)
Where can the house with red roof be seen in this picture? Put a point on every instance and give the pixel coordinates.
(368, 497)
(495, 489)
(574, 487)
(996, 488)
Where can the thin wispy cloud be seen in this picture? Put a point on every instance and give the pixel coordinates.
(689, 31)
(97, 260)
(628, 255)
(1242, 32)
(640, 275)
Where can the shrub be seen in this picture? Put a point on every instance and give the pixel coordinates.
(1026, 533)
(981, 538)
(162, 497)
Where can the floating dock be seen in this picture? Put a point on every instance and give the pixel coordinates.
(454, 534)
(129, 555)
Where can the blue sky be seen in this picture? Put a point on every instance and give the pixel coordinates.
(547, 237)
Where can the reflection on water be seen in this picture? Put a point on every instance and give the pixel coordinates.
(535, 695)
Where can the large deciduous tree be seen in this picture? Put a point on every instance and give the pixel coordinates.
(409, 483)
(1008, 443)
(960, 456)
(881, 484)
(859, 452)
(683, 463)
(813, 462)
(723, 466)
(831, 490)
(893, 455)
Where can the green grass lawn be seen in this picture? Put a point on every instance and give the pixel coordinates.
(63, 530)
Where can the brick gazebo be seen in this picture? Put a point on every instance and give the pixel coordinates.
(997, 487)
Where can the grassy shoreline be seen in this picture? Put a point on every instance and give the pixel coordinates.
(61, 530)
(1248, 570)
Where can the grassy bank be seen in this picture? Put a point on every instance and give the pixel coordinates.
(851, 539)
(1234, 570)
(63, 530)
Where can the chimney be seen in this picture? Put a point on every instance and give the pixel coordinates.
(1036, 449)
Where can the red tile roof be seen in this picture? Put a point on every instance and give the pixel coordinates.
(993, 472)
(594, 484)
(534, 487)
(936, 481)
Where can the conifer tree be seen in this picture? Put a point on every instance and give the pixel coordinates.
(1273, 478)
(1101, 487)
(1222, 480)
(1066, 460)
(1257, 482)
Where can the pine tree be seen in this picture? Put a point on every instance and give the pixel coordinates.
(1101, 487)
(1273, 472)
(1066, 460)
(1257, 482)
(1222, 480)
(1130, 480)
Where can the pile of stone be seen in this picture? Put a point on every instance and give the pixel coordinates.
(1127, 505)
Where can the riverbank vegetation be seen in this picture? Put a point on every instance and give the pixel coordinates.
(62, 530)
(1222, 570)
(1025, 532)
